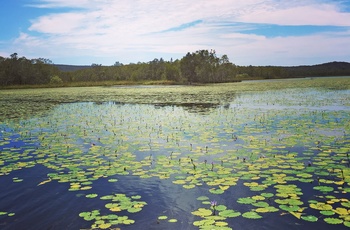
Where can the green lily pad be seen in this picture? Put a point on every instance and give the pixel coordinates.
(136, 197)
(17, 180)
(203, 198)
(267, 195)
(266, 209)
(188, 186)
(321, 206)
(324, 188)
(216, 191)
(327, 212)
(221, 223)
(282, 201)
(112, 217)
(229, 213)
(346, 204)
(251, 215)
(309, 218)
(202, 212)
(289, 208)
(330, 220)
(92, 195)
(162, 217)
(128, 222)
(203, 223)
(257, 188)
(258, 198)
(246, 200)
(134, 210)
(104, 226)
(260, 204)
(220, 207)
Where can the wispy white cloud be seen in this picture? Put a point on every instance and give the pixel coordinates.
(292, 50)
(64, 3)
(323, 14)
(131, 31)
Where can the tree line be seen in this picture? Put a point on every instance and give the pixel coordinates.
(22, 71)
(202, 66)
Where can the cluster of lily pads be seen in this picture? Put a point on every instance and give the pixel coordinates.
(119, 202)
(266, 144)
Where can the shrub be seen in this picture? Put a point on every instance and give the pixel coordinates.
(55, 80)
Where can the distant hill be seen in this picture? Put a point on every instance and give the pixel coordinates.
(69, 68)
(326, 69)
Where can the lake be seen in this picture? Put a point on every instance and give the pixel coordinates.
(250, 155)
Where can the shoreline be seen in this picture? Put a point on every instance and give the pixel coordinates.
(160, 83)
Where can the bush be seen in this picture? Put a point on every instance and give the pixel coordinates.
(55, 80)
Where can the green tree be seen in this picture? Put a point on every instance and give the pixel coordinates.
(200, 66)
(56, 80)
(188, 67)
(172, 71)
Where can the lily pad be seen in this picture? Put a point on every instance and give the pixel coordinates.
(309, 218)
(324, 189)
(267, 195)
(104, 225)
(202, 198)
(289, 208)
(321, 206)
(128, 222)
(246, 200)
(330, 220)
(347, 223)
(251, 215)
(327, 212)
(92, 195)
(216, 191)
(266, 209)
(134, 210)
(202, 212)
(229, 213)
(162, 217)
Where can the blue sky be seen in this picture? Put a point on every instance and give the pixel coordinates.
(250, 32)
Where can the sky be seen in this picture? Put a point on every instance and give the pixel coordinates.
(249, 32)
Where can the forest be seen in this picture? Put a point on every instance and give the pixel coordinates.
(198, 67)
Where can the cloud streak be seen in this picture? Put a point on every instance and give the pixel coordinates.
(140, 30)
(313, 14)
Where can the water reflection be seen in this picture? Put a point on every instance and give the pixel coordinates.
(200, 108)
